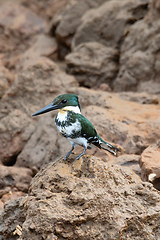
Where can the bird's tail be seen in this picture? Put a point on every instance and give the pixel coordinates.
(110, 148)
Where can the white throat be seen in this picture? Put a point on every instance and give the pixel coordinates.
(63, 112)
(75, 109)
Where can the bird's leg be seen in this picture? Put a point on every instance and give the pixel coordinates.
(67, 155)
(85, 148)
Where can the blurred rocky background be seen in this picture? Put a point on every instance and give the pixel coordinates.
(108, 53)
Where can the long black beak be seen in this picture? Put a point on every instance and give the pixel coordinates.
(48, 108)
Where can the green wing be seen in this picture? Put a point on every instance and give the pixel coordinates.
(87, 130)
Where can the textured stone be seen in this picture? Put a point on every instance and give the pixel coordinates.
(91, 200)
(107, 24)
(65, 24)
(15, 129)
(6, 79)
(72, 16)
(21, 20)
(14, 177)
(130, 161)
(42, 47)
(150, 164)
(139, 60)
(129, 124)
(111, 31)
(142, 97)
(12, 215)
(18, 25)
(92, 64)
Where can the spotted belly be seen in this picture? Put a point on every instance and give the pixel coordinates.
(70, 130)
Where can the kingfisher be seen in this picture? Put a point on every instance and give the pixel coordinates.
(74, 126)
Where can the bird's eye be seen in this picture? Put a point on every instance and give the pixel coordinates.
(64, 101)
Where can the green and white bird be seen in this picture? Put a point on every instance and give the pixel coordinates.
(74, 126)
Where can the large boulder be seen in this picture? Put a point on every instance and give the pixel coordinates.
(93, 64)
(89, 199)
(107, 24)
(65, 23)
(139, 59)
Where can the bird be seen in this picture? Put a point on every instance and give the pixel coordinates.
(74, 126)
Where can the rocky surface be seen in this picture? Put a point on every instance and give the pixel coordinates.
(143, 54)
(65, 24)
(150, 164)
(113, 66)
(118, 17)
(93, 61)
(12, 215)
(87, 199)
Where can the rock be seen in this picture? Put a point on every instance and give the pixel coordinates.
(90, 61)
(22, 100)
(104, 87)
(14, 177)
(151, 87)
(1, 205)
(114, 119)
(115, 47)
(142, 97)
(150, 164)
(139, 54)
(91, 200)
(72, 16)
(92, 64)
(20, 20)
(154, 8)
(42, 143)
(46, 9)
(12, 215)
(39, 75)
(130, 73)
(15, 129)
(42, 47)
(128, 124)
(18, 26)
(65, 24)
(140, 228)
(6, 79)
(130, 161)
(107, 24)
(12, 194)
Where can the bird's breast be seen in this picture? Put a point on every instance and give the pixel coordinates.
(67, 127)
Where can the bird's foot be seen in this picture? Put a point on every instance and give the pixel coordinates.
(77, 158)
(67, 156)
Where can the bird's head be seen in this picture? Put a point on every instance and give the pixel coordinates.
(63, 102)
